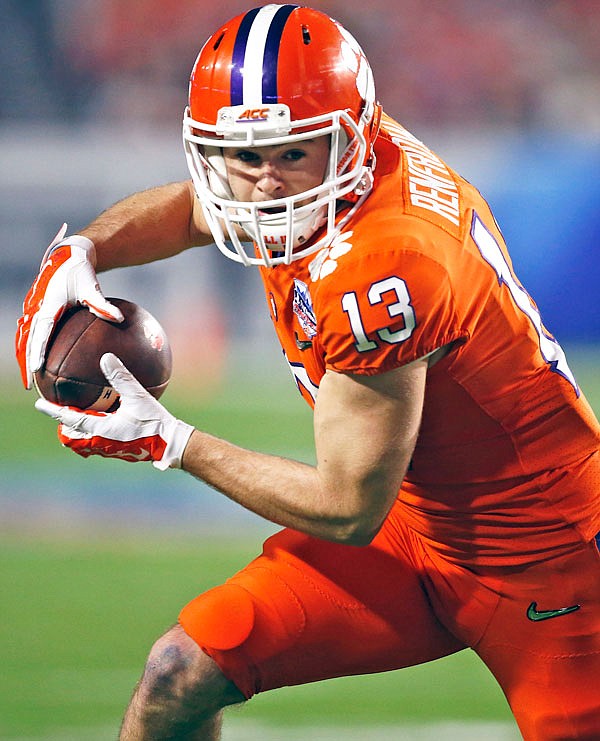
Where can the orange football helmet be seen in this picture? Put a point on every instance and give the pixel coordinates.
(275, 75)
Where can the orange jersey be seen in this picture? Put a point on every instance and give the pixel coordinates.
(506, 467)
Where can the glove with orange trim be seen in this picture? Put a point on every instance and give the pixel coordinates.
(67, 277)
(141, 429)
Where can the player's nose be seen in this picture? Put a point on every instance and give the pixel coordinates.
(269, 182)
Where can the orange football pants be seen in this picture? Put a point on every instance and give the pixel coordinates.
(307, 610)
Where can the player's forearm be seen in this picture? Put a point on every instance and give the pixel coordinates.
(150, 225)
(283, 491)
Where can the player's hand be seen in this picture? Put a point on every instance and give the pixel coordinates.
(67, 277)
(141, 429)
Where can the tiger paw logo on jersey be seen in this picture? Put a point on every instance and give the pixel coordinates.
(326, 260)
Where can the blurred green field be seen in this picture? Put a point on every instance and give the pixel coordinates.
(80, 610)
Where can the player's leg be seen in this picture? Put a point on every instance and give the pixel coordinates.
(543, 646)
(537, 628)
(180, 695)
(307, 610)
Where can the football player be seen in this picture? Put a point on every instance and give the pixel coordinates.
(455, 501)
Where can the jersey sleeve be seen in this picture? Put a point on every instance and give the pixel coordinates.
(384, 309)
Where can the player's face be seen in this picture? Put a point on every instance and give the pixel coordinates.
(265, 173)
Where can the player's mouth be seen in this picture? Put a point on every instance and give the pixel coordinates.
(272, 210)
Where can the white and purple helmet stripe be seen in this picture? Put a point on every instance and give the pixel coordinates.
(255, 55)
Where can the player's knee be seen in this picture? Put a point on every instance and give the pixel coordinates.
(177, 672)
(169, 668)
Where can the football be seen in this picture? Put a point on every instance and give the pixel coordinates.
(71, 372)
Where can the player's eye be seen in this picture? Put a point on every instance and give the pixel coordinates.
(247, 156)
(294, 154)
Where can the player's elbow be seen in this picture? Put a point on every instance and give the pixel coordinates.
(356, 528)
(356, 534)
(358, 508)
(360, 537)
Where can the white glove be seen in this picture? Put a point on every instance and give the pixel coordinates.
(141, 429)
(67, 277)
